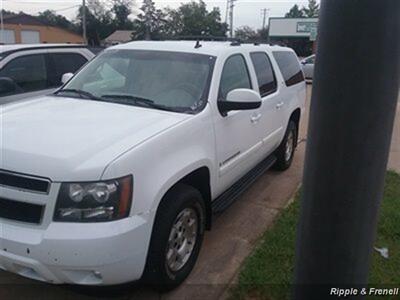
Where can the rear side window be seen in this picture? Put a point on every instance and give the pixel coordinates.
(64, 63)
(28, 72)
(234, 76)
(289, 66)
(265, 73)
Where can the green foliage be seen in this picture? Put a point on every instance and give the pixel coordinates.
(309, 11)
(150, 24)
(312, 9)
(248, 34)
(245, 33)
(193, 19)
(51, 18)
(190, 19)
(267, 272)
(295, 12)
(122, 9)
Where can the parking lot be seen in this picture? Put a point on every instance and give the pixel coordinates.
(234, 234)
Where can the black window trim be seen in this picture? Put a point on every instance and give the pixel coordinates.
(273, 73)
(222, 72)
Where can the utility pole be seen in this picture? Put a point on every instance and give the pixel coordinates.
(264, 12)
(227, 11)
(350, 129)
(231, 6)
(84, 21)
(1, 26)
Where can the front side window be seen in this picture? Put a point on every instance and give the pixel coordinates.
(265, 74)
(289, 66)
(27, 72)
(156, 79)
(64, 63)
(234, 76)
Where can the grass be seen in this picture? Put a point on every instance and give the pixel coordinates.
(267, 272)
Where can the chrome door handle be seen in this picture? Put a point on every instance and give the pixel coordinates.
(279, 105)
(255, 118)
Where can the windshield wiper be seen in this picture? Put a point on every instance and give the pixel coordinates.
(81, 93)
(136, 100)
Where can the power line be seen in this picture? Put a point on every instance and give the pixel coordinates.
(65, 8)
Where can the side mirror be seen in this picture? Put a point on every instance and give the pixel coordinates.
(8, 86)
(240, 99)
(303, 62)
(66, 77)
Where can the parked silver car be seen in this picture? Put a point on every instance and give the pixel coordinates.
(27, 70)
(308, 67)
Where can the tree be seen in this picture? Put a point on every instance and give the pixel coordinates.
(295, 12)
(312, 9)
(122, 9)
(246, 33)
(51, 18)
(193, 19)
(150, 24)
(8, 13)
(99, 23)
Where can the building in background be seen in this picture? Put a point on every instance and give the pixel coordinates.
(118, 37)
(26, 29)
(297, 33)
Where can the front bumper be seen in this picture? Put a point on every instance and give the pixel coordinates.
(87, 254)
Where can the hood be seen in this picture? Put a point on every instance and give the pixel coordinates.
(68, 139)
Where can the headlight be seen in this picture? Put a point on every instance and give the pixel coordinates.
(94, 201)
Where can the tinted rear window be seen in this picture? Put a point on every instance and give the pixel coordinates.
(289, 66)
(265, 74)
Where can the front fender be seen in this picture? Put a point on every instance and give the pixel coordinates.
(163, 160)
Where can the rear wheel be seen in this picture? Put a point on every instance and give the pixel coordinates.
(285, 151)
(176, 239)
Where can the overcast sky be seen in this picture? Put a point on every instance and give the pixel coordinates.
(247, 12)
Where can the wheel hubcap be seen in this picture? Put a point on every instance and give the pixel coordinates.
(182, 239)
(289, 146)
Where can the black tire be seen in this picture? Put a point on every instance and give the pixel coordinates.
(283, 161)
(157, 272)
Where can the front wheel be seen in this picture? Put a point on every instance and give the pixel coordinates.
(176, 239)
(285, 152)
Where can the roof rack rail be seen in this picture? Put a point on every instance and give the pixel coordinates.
(204, 38)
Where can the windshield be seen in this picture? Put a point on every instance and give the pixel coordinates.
(178, 81)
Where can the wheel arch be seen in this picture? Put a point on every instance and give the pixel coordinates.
(295, 117)
(200, 180)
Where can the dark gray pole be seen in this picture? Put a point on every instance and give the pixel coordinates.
(84, 22)
(353, 105)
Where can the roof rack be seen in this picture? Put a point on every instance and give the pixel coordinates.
(198, 38)
(234, 41)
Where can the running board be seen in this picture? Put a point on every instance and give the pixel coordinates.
(230, 195)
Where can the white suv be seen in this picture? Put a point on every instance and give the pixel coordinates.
(117, 175)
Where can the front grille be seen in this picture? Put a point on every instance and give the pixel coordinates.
(24, 182)
(21, 211)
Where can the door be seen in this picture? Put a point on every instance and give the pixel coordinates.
(271, 124)
(237, 141)
(28, 74)
(30, 37)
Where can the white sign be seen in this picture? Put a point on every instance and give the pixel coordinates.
(291, 27)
